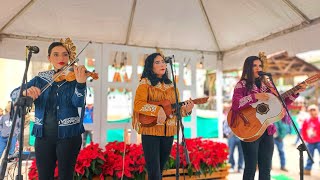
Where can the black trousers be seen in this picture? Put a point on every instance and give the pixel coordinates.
(156, 153)
(50, 149)
(258, 152)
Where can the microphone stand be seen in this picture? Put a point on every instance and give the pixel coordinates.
(23, 104)
(179, 124)
(302, 147)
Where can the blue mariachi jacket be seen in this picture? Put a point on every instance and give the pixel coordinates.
(70, 105)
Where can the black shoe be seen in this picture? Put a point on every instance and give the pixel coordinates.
(284, 169)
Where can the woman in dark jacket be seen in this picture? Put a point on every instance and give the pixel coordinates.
(58, 114)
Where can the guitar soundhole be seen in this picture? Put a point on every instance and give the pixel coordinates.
(262, 108)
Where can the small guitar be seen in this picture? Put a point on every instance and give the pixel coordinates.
(250, 123)
(169, 109)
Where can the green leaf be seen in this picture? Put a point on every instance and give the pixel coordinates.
(93, 165)
(87, 172)
(100, 161)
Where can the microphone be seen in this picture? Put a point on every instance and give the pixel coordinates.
(33, 49)
(261, 73)
(168, 59)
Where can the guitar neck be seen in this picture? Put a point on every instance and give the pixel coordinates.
(195, 101)
(290, 92)
(310, 80)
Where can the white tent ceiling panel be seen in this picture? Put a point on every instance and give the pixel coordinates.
(238, 22)
(9, 8)
(15, 49)
(299, 41)
(204, 25)
(168, 23)
(97, 20)
(311, 8)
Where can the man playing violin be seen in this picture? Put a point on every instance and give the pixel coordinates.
(59, 112)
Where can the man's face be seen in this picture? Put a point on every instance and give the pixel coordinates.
(313, 112)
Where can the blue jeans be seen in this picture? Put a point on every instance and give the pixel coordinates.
(312, 147)
(3, 144)
(234, 142)
(279, 144)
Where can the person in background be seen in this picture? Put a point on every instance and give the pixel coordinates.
(310, 132)
(282, 131)
(5, 129)
(1, 113)
(302, 115)
(88, 119)
(233, 143)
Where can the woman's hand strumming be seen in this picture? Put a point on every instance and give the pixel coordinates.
(161, 116)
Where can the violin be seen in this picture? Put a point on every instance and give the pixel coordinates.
(68, 75)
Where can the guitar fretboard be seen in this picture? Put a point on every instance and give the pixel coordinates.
(310, 80)
(290, 92)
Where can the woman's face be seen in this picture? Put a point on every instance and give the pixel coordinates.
(257, 66)
(59, 57)
(159, 66)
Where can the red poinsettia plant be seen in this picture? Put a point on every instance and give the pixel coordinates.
(124, 160)
(33, 171)
(89, 162)
(119, 160)
(205, 156)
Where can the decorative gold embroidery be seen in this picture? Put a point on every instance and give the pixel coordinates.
(148, 107)
(71, 48)
(145, 81)
(161, 86)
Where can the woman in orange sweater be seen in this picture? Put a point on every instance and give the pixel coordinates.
(156, 140)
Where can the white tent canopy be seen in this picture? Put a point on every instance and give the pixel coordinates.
(236, 28)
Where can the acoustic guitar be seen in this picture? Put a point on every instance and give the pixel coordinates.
(169, 109)
(250, 123)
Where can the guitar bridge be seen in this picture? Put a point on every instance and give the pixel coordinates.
(262, 108)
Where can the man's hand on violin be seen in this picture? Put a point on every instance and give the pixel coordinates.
(80, 73)
(33, 92)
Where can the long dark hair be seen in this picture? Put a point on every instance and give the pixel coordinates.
(247, 73)
(148, 73)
